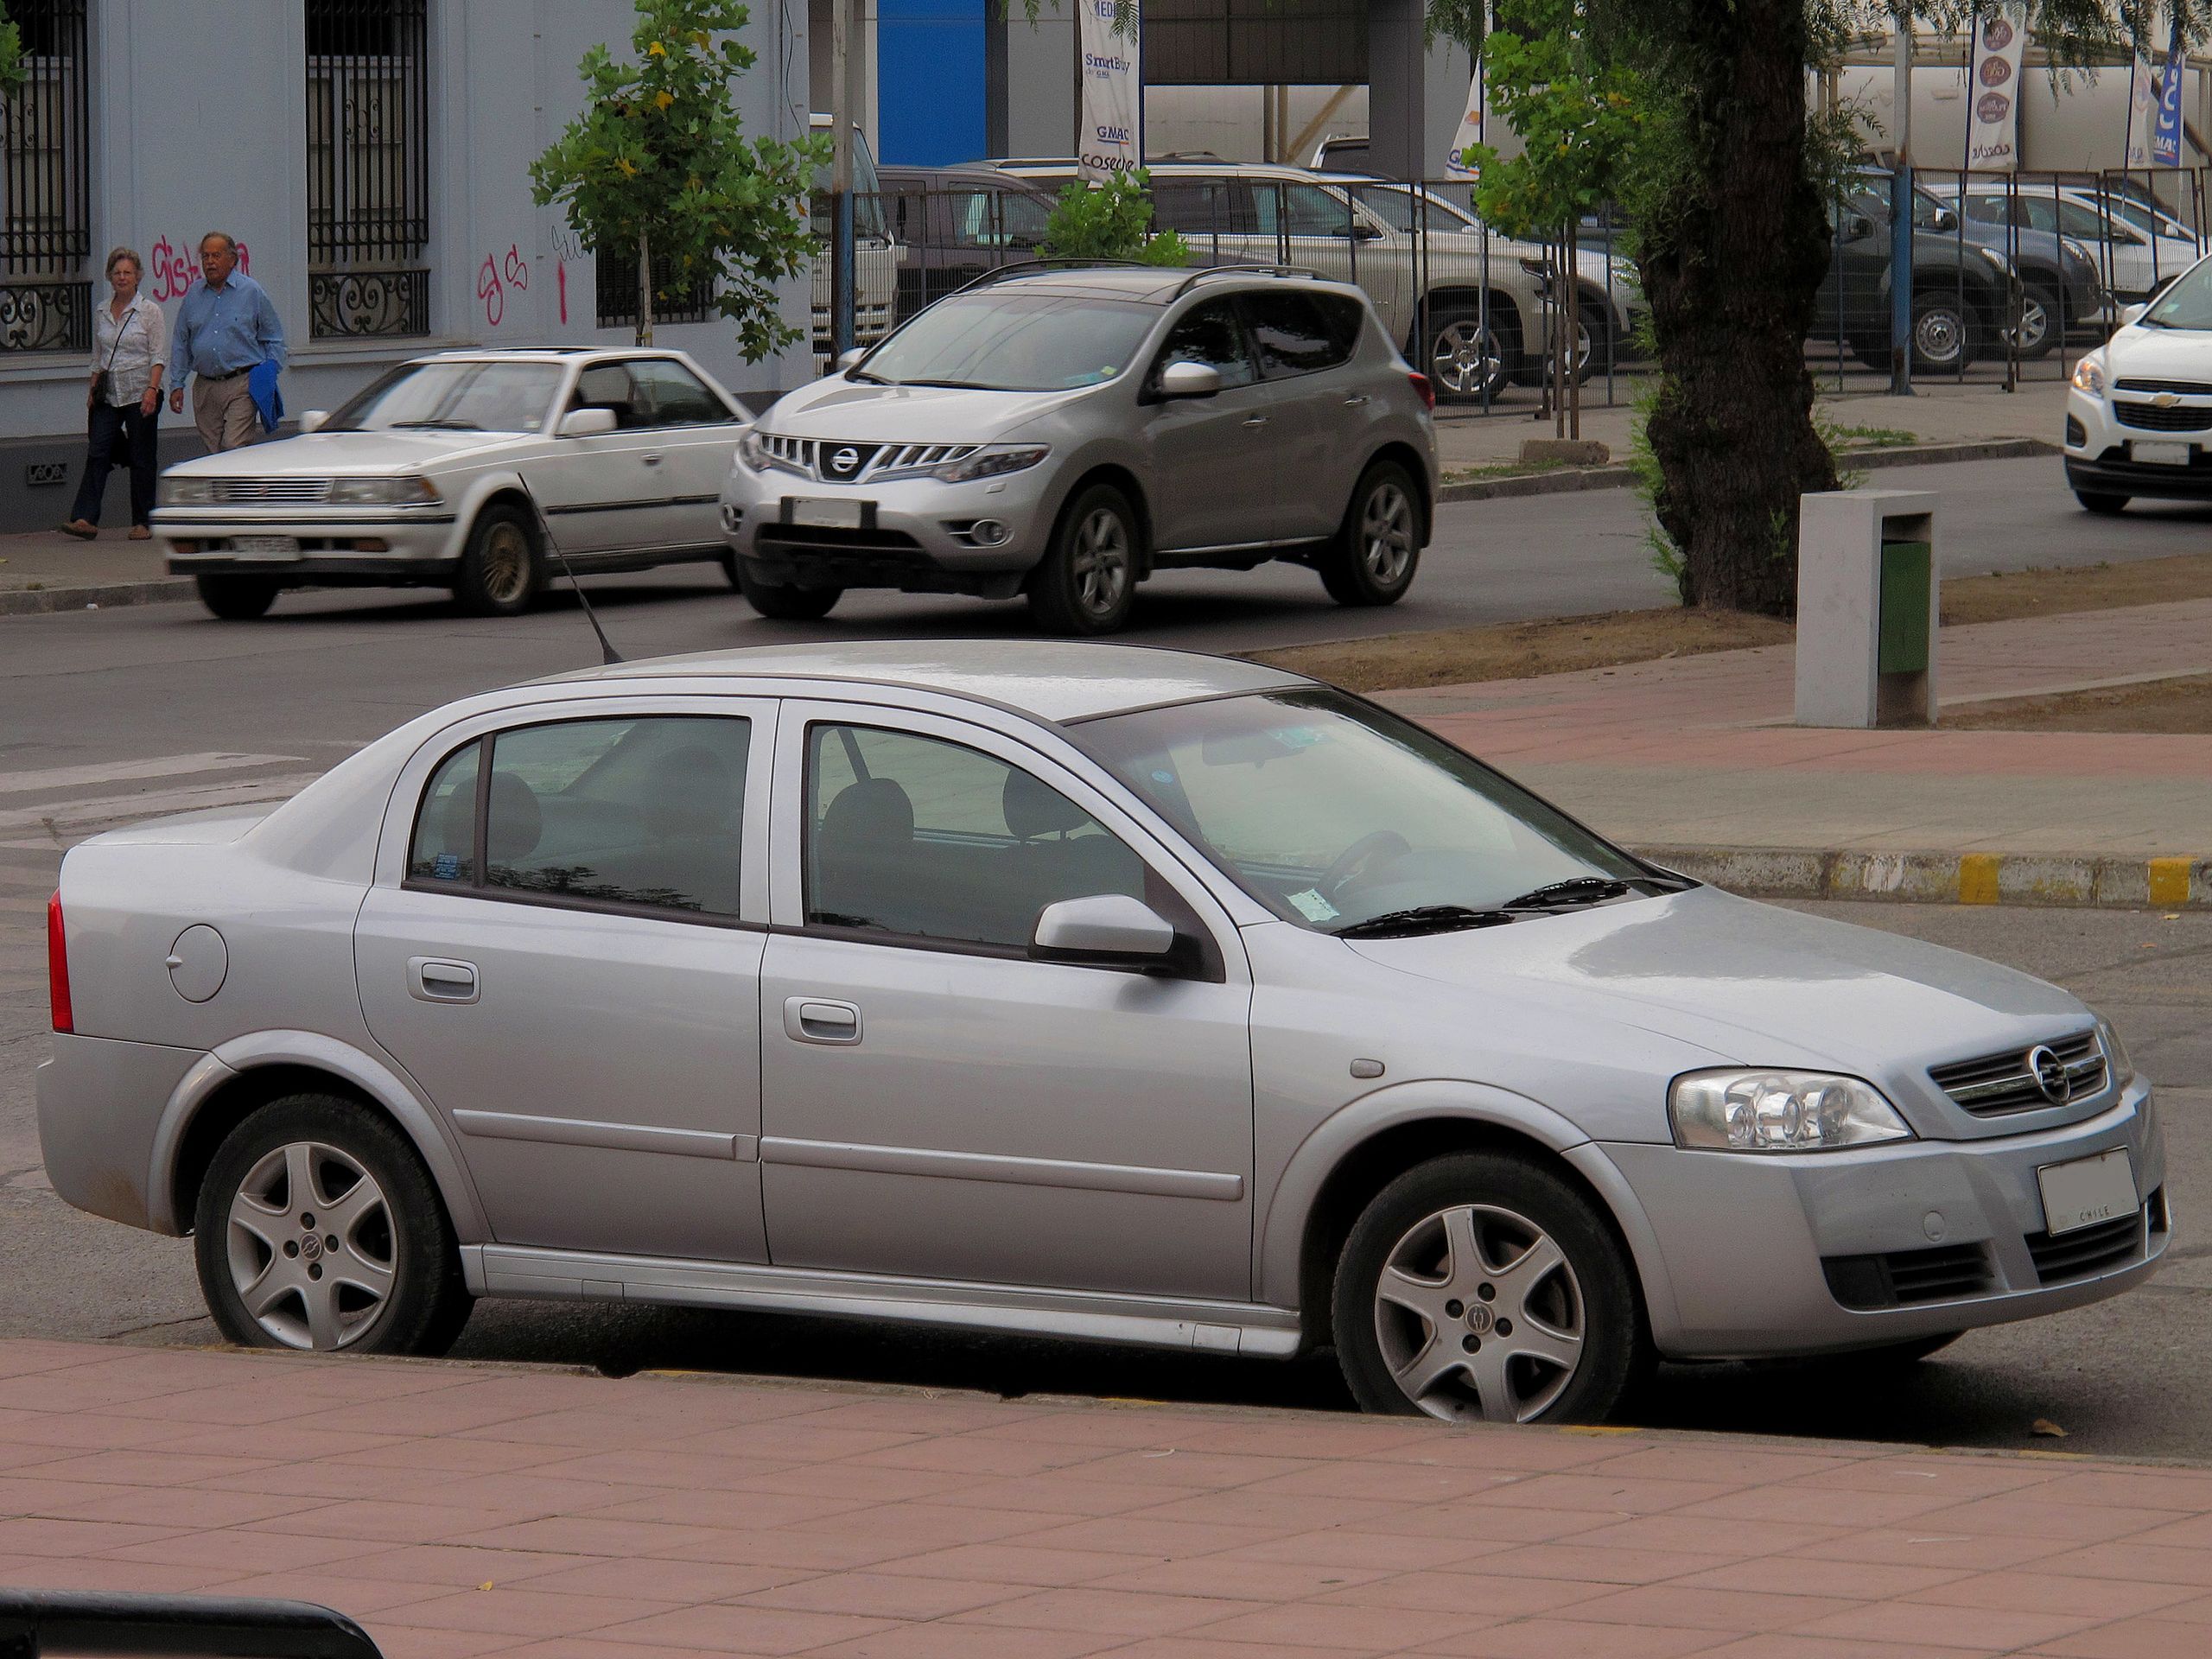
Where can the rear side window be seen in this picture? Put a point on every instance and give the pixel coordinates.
(1203, 207)
(635, 813)
(1294, 334)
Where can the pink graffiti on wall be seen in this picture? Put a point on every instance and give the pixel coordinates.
(174, 271)
(496, 276)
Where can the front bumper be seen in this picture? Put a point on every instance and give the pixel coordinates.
(1831, 1251)
(369, 544)
(915, 534)
(2100, 461)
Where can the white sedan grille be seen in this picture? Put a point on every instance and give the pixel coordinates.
(270, 489)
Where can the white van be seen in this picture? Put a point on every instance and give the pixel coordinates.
(876, 253)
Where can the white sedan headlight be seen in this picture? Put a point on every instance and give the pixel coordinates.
(405, 490)
(1780, 1111)
(186, 491)
(2089, 377)
(992, 460)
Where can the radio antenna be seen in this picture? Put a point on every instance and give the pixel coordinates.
(608, 654)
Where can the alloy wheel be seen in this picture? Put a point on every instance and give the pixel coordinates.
(505, 562)
(313, 1252)
(1101, 562)
(1465, 359)
(1479, 1314)
(1386, 534)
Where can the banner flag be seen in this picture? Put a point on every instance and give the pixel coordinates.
(1993, 83)
(2142, 111)
(2165, 132)
(1112, 81)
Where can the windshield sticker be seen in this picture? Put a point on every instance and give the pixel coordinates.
(1313, 907)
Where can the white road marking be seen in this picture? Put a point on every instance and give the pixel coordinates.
(60, 817)
(124, 772)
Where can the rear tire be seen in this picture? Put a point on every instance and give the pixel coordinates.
(784, 603)
(236, 599)
(1560, 1338)
(1086, 583)
(2104, 505)
(298, 1173)
(502, 569)
(1377, 548)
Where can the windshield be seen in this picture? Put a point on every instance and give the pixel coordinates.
(465, 397)
(1002, 342)
(1332, 813)
(2187, 302)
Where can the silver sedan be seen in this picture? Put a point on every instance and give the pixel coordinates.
(1117, 994)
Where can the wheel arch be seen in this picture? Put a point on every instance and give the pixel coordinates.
(241, 1077)
(1123, 478)
(1405, 455)
(1355, 1154)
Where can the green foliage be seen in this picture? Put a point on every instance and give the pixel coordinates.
(1580, 116)
(11, 53)
(1111, 221)
(656, 160)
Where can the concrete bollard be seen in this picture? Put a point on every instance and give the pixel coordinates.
(1868, 587)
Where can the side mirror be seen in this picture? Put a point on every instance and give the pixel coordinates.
(587, 423)
(851, 359)
(1858, 228)
(1945, 220)
(1108, 930)
(1363, 231)
(2131, 315)
(1189, 380)
(311, 420)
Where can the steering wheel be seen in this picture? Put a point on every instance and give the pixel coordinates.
(1377, 846)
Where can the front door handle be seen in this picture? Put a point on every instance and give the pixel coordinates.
(652, 460)
(1355, 400)
(441, 979)
(821, 1019)
(1256, 420)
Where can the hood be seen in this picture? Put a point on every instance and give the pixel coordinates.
(2159, 353)
(320, 455)
(837, 408)
(1760, 985)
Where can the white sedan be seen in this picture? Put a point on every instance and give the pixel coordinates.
(452, 471)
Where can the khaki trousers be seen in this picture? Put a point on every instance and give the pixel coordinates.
(224, 411)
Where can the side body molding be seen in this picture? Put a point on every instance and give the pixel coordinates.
(1290, 1206)
(372, 1076)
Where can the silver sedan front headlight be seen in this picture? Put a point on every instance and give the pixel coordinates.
(1780, 1111)
(184, 491)
(406, 490)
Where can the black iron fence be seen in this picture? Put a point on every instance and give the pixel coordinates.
(368, 166)
(45, 302)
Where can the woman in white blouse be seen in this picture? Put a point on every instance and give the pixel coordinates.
(130, 342)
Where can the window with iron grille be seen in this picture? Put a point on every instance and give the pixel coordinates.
(368, 111)
(46, 298)
(618, 292)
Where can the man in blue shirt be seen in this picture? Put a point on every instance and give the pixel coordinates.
(225, 326)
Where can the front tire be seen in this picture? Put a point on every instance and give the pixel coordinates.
(1377, 548)
(318, 1227)
(1481, 1285)
(2042, 322)
(786, 603)
(502, 569)
(2103, 504)
(1087, 581)
(236, 599)
(1946, 334)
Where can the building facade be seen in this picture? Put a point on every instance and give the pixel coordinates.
(371, 157)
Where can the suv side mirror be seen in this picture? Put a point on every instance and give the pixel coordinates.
(591, 422)
(1946, 220)
(1858, 228)
(2131, 315)
(1108, 930)
(312, 420)
(849, 359)
(1189, 380)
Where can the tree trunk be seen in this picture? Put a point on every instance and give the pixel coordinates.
(645, 289)
(1732, 255)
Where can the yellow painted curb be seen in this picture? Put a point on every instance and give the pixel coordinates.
(2170, 881)
(1978, 878)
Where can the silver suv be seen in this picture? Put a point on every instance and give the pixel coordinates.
(1064, 432)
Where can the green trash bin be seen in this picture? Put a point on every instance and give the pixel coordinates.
(1903, 627)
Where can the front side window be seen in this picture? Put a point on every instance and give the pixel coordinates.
(643, 813)
(466, 397)
(1210, 333)
(1009, 342)
(915, 836)
(1295, 336)
(2187, 302)
(1332, 813)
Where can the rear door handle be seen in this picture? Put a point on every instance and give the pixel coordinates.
(1355, 400)
(441, 979)
(821, 1019)
(1256, 420)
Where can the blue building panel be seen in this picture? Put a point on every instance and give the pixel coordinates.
(929, 82)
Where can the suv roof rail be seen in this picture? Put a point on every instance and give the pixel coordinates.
(1031, 267)
(1204, 271)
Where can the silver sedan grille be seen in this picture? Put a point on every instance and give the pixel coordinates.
(845, 462)
(2026, 1079)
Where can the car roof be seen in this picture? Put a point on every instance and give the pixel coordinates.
(550, 354)
(1052, 681)
(1149, 284)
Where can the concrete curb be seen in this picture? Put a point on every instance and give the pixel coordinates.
(2055, 879)
(102, 595)
(1566, 481)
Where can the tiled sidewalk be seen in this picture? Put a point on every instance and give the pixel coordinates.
(460, 1510)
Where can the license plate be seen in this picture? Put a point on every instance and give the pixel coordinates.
(265, 547)
(2159, 455)
(828, 514)
(2088, 1190)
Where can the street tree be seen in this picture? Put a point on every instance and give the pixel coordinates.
(1111, 220)
(656, 170)
(11, 53)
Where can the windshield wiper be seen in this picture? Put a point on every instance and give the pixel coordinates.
(955, 385)
(1422, 919)
(1575, 890)
(447, 426)
(871, 379)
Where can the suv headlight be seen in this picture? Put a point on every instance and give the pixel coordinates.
(1780, 1111)
(186, 491)
(2089, 377)
(992, 461)
(1995, 258)
(404, 491)
(2074, 250)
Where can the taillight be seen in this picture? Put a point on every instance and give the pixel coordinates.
(57, 968)
(1422, 385)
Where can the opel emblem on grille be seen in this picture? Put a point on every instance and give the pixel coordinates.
(2164, 400)
(2051, 1075)
(847, 460)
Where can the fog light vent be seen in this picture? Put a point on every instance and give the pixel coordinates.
(989, 532)
(1904, 1278)
(2077, 433)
